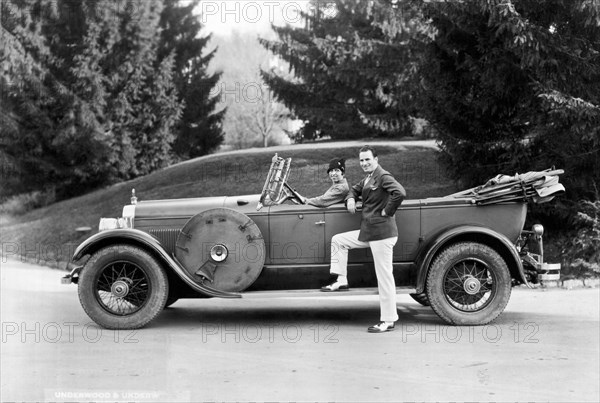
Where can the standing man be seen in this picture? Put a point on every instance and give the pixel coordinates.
(381, 195)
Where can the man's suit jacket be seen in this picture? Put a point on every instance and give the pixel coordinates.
(382, 192)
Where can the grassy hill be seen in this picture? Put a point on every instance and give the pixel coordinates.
(49, 234)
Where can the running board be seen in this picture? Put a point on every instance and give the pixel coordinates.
(311, 293)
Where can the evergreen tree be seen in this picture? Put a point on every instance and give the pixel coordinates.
(87, 100)
(199, 131)
(111, 47)
(316, 95)
(514, 86)
(345, 69)
(42, 117)
(142, 99)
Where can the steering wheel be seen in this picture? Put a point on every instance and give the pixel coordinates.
(292, 195)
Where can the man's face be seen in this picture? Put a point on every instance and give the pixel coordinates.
(367, 162)
(336, 175)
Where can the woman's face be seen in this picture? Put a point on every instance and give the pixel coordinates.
(336, 175)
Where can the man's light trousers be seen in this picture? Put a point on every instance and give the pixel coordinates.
(382, 251)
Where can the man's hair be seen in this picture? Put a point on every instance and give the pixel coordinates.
(368, 148)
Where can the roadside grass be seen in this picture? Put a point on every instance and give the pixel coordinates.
(49, 234)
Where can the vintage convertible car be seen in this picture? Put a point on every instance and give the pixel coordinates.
(460, 254)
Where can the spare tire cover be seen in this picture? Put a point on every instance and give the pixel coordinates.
(222, 248)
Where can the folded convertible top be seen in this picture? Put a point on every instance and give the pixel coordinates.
(536, 186)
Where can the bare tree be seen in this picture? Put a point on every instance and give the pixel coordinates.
(267, 115)
(254, 116)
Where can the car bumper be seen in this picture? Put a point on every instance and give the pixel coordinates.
(73, 276)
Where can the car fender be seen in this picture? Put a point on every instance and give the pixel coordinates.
(151, 244)
(475, 233)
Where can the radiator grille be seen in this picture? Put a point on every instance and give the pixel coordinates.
(167, 237)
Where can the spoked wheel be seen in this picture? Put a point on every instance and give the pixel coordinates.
(122, 287)
(468, 284)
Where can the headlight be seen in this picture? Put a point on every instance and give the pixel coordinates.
(128, 215)
(108, 223)
(115, 223)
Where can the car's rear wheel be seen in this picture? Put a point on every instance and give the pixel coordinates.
(122, 287)
(468, 284)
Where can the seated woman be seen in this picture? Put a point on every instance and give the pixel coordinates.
(339, 188)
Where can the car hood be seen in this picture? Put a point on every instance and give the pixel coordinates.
(191, 206)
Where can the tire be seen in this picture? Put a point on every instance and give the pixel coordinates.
(421, 298)
(122, 287)
(468, 284)
(221, 246)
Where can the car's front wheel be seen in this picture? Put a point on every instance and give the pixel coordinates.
(468, 284)
(122, 287)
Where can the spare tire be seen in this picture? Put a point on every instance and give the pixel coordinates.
(222, 248)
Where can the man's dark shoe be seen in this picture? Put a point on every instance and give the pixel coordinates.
(381, 327)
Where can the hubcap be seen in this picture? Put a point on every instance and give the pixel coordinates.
(218, 253)
(120, 288)
(472, 285)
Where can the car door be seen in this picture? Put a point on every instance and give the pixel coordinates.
(407, 219)
(337, 220)
(297, 235)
